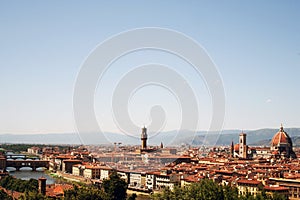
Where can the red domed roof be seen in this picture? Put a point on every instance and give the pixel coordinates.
(236, 147)
(281, 138)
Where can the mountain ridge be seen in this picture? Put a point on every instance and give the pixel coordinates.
(260, 137)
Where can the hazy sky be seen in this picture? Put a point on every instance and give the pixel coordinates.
(255, 45)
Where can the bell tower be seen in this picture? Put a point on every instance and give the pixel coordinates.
(144, 138)
(242, 146)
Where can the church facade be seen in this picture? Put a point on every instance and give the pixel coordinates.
(281, 147)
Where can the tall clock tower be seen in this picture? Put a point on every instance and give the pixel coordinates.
(144, 138)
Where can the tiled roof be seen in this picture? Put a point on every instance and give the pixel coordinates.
(58, 190)
(250, 182)
(280, 138)
(275, 188)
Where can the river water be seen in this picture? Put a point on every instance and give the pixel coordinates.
(26, 174)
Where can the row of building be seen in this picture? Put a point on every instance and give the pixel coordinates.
(250, 169)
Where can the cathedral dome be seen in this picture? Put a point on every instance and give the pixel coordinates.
(236, 147)
(281, 137)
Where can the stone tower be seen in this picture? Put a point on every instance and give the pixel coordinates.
(42, 185)
(144, 138)
(242, 145)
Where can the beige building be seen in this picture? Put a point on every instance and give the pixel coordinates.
(271, 189)
(34, 150)
(166, 180)
(77, 170)
(292, 184)
(247, 185)
(105, 171)
(91, 172)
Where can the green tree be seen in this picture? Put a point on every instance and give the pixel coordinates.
(84, 193)
(19, 185)
(230, 192)
(277, 196)
(115, 187)
(208, 190)
(33, 195)
(205, 189)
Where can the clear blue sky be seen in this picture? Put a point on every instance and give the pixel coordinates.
(255, 44)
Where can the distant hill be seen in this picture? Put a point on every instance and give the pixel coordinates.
(295, 140)
(261, 137)
(168, 138)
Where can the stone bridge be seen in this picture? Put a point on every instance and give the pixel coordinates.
(20, 156)
(34, 164)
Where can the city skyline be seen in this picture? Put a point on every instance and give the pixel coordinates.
(255, 46)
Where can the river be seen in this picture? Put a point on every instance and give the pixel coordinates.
(26, 174)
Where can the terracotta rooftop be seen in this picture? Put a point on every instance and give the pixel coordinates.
(236, 147)
(58, 190)
(275, 188)
(250, 182)
(280, 138)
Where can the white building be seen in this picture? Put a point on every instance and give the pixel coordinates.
(105, 172)
(150, 181)
(135, 179)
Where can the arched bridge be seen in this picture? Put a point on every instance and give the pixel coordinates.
(34, 164)
(21, 156)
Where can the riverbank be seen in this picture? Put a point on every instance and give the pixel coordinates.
(69, 177)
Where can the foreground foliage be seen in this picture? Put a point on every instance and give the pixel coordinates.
(84, 193)
(208, 190)
(113, 188)
(19, 185)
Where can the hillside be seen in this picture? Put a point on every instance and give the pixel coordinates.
(261, 137)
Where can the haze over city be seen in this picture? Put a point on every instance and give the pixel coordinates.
(255, 46)
(150, 100)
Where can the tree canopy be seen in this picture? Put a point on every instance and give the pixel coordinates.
(19, 185)
(209, 190)
(115, 187)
